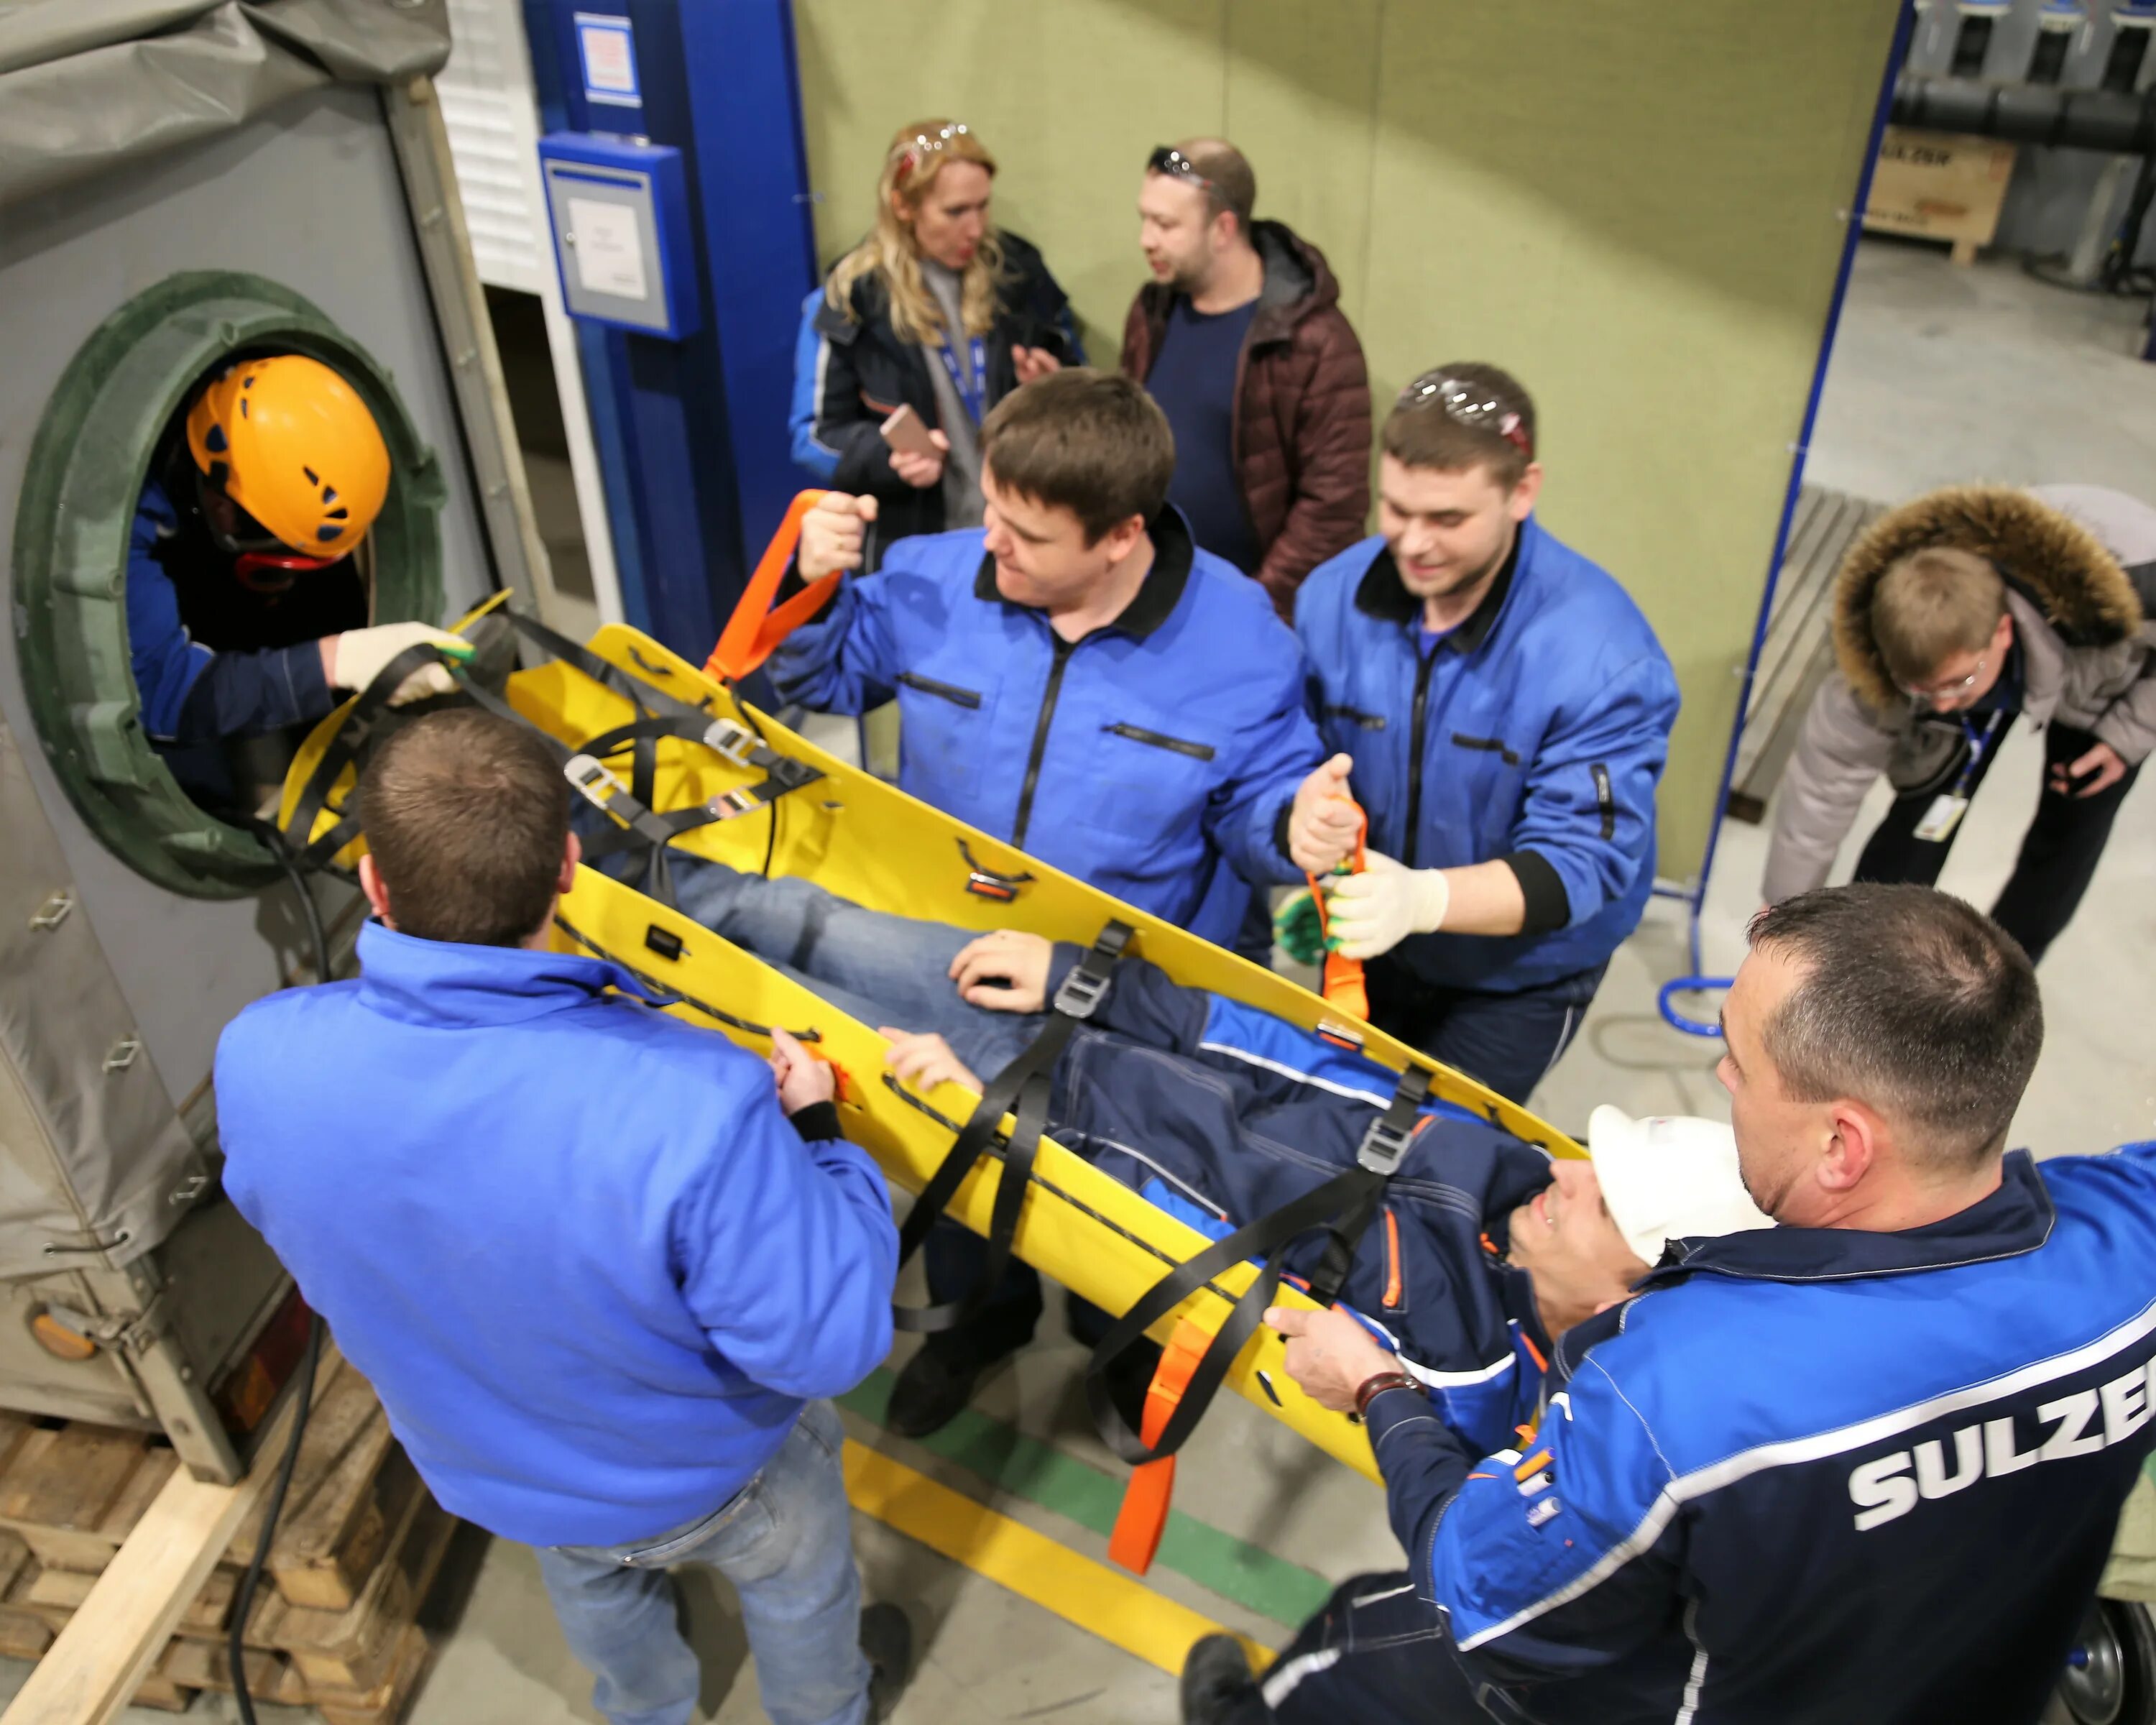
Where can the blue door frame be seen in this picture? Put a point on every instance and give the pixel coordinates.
(691, 434)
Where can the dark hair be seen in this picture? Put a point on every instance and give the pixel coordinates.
(1231, 186)
(1911, 1002)
(1420, 433)
(466, 816)
(1091, 442)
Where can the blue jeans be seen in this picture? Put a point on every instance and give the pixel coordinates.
(785, 1541)
(874, 966)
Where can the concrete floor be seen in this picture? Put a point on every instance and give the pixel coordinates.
(1942, 374)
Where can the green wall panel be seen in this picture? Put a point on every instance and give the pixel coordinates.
(1637, 205)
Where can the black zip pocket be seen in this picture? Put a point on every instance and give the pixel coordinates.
(1604, 800)
(948, 692)
(1490, 745)
(1368, 721)
(1154, 739)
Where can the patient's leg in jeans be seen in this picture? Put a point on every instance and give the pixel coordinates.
(881, 968)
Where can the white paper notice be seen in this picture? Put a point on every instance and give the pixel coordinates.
(610, 255)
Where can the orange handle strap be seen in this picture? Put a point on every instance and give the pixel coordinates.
(755, 629)
(1140, 1522)
(1344, 987)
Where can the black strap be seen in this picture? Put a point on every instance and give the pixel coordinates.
(343, 749)
(1021, 1090)
(1383, 1144)
(1344, 1206)
(637, 825)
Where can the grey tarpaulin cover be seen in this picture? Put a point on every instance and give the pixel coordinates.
(91, 92)
(87, 86)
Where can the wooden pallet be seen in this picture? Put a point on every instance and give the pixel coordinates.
(334, 1625)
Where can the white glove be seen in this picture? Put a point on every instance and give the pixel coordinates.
(1373, 911)
(361, 654)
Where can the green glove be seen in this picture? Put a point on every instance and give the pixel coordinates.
(1298, 931)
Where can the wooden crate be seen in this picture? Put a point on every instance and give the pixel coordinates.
(333, 1625)
(73, 1492)
(351, 1488)
(1938, 185)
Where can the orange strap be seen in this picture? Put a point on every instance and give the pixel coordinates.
(1343, 986)
(1144, 1514)
(755, 629)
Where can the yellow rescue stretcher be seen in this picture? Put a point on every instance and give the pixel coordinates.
(787, 807)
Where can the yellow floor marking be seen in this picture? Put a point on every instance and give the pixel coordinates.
(1103, 1601)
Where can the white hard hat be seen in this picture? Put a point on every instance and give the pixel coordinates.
(1670, 1177)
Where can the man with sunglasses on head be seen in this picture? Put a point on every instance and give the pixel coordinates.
(1952, 614)
(243, 609)
(1501, 711)
(1240, 338)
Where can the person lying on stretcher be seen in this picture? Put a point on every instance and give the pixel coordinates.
(1219, 1113)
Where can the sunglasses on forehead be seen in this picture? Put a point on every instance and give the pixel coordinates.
(1168, 159)
(1466, 403)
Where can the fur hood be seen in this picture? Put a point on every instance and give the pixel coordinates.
(2055, 563)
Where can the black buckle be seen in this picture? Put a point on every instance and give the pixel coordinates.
(1083, 988)
(1392, 1132)
(1383, 1147)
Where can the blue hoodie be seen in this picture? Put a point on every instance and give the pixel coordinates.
(589, 1265)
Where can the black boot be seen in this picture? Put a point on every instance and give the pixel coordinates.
(934, 1388)
(887, 1639)
(1218, 1688)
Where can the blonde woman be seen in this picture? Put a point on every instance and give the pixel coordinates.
(936, 309)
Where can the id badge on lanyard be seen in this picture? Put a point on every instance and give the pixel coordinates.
(1947, 809)
(972, 398)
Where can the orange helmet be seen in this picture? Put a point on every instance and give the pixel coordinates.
(292, 443)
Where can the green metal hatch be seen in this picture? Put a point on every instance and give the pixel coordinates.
(86, 469)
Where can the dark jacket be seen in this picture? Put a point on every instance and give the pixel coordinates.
(2087, 650)
(1808, 1474)
(1301, 412)
(1136, 758)
(1535, 733)
(590, 1266)
(860, 371)
(212, 657)
(1220, 1114)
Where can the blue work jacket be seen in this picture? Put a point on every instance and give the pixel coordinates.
(191, 693)
(1535, 732)
(1810, 1474)
(1220, 1114)
(590, 1266)
(1136, 758)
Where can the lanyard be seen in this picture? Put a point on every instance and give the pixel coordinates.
(971, 398)
(1978, 746)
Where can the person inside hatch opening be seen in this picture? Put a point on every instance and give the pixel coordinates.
(1492, 1249)
(1077, 677)
(244, 612)
(1502, 711)
(1863, 1466)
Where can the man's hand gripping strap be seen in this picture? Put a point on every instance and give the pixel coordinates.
(752, 633)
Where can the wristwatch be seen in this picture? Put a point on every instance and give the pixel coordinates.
(1373, 1387)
